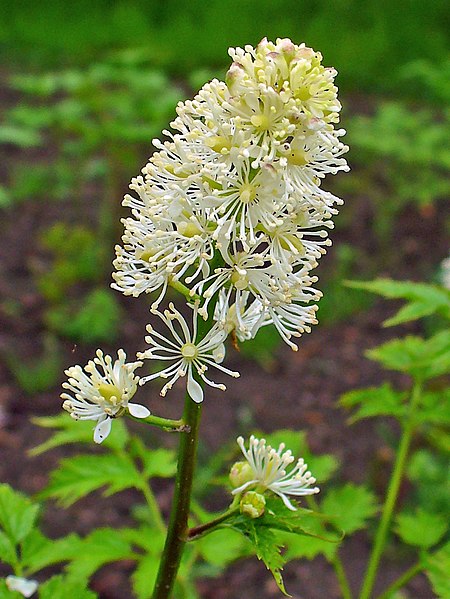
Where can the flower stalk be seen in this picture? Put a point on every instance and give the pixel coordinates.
(392, 494)
(177, 533)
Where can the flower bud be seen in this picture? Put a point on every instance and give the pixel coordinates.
(240, 473)
(252, 504)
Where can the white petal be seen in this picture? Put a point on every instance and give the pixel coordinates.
(194, 389)
(138, 411)
(102, 430)
(22, 585)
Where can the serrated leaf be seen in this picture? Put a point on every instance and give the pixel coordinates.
(374, 401)
(159, 462)
(102, 546)
(322, 466)
(17, 514)
(222, 547)
(437, 567)
(146, 537)
(422, 358)
(424, 299)
(62, 587)
(80, 475)
(298, 546)
(268, 550)
(40, 552)
(349, 506)
(69, 431)
(421, 528)
(144, 577)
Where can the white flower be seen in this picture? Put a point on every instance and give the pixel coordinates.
(185, 352)
(25, 587)
(269, 471)
(102, 391)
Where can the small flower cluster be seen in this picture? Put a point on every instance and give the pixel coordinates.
(265, 469)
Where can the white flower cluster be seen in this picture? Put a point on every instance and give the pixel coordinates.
(231, 207)
(266, 469)
(102, 392)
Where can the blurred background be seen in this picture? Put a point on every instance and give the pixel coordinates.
(85, 88)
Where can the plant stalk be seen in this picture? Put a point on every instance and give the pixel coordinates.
(203, 529)
(178, 522)
(401, 581)
(392, 494)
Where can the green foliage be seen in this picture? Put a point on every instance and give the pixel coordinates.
(437, 567)
(405, 155)
(421, 358)
(263, 348)
(222, 547)
(94, 319)
(67, 431)
(431, 477)
(41, 373)
(17, 516)
(422, 299)
(374, 401)
(421, 528)
(80, 475)
(61, 587)
(349, 507)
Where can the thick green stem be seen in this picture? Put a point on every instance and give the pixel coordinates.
(178, 522)
(401, 581)
(391, 496)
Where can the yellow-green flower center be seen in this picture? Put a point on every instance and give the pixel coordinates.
(108, 392)
(218, 143)
(189, 351)
(297, 157)
(248, 193)
(261, 121)
(188, 229)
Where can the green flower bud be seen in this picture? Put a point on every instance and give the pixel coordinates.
(240, 474)
(252, 504)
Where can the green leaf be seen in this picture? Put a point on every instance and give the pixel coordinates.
(69, 430)
(423, 299)
(62, 587)
(23, 137)
(421, 528)
(222, 547)
(349, 507)
(102, 546)
(144, 577)
(156, 462)
(17, 514)
(374, 401)
(434, 407)
(268, 550)
(7, 550)
(38, 551)
(80, 475)
(298, 546)
(437, 567)
(418, 357)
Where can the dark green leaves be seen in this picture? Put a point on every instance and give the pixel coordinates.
(349, 507)
(375, 401)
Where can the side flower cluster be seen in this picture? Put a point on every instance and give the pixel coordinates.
(231, 206)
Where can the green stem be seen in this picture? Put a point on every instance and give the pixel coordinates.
(199, 531)
(392, 494)
(153, 506)
(178, 522)
(166, 423)
(336, 561)
(401, 581)
(341, 576)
